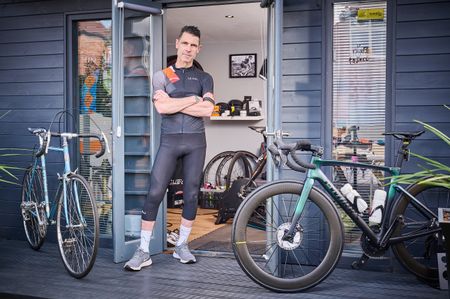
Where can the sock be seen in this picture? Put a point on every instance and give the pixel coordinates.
(184, 234)
(146, 235)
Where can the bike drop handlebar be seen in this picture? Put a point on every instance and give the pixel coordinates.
(280, 150)
(44, 137)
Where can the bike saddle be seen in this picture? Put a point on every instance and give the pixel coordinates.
(405, 135)
(36, 130)
(257, 129)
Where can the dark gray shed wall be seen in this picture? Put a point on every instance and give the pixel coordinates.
(32, 70)
(419, 35)
(302, 83)
(421, 77)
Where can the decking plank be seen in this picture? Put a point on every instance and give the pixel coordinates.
(24, 272)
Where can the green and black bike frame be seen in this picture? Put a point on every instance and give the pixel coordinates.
(381, 238)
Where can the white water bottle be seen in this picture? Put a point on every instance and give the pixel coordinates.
(353, 196)
(377, 207)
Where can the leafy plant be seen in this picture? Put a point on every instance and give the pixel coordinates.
(5, 169)
(434, 173)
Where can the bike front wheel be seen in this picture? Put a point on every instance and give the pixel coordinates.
(282, 265)
(33, 208)
(77, 227)
(419, 255)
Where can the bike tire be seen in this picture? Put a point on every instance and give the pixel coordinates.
(419, 255)
(32, 210)
(222, 169)
(239, 167)
(209, 173)
(78, 233)
(320, 219)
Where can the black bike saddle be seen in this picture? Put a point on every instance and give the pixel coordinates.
(405, 135)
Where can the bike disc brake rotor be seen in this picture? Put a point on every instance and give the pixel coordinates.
(287, 245)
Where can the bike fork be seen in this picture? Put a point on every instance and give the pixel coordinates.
(289, 234)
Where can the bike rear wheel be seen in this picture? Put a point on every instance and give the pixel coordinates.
(33, 210)
(77, 227)
(279, 265)
(210, 171)
(419, 255)
(222, 170)
(238, 168)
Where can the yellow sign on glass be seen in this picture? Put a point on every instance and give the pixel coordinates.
(366, 14)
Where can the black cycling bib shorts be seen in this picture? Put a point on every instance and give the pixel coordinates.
(182, 136)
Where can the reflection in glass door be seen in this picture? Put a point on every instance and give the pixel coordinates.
(359, 98)
(137, 49)
(93, 73)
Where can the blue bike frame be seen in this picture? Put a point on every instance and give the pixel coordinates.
(67, 170)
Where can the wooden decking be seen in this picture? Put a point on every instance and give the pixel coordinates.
(27, 273)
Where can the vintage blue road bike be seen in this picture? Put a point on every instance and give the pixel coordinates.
(73, 208)
(288, 235)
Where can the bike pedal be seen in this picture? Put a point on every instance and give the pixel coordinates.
(361, 262)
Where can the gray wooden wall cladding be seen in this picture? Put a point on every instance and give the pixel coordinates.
(32, 73)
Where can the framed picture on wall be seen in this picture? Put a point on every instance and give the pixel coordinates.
(242, 65)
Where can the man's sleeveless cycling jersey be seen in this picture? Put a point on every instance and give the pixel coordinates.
(179, 83)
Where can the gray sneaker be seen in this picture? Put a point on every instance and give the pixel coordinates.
(140, 259)
(183, 254)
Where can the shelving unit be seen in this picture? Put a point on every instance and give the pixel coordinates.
(236, 117)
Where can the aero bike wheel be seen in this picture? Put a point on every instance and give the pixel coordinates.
(209, 173)
(32, 207)
(280, 265)
(419, 255)
(222, 170)
(77, 227)
(238, 168)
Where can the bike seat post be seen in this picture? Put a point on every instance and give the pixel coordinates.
(403, 152)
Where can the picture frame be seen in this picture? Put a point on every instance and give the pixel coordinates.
(243, 65)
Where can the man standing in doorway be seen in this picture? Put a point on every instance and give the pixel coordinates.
(182, 95)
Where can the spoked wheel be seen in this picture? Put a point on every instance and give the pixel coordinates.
(77, 227)
(32, 207)
(419, 255)
(224, 178)
(286, 265)
(210, 171)
(238, 168)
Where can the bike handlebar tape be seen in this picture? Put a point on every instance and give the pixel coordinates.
(275, 154)
(102, 149)
(303, 145)
(294, 167)
(300, 162)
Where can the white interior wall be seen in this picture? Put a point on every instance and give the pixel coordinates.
(229, 134)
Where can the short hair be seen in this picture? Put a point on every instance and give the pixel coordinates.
(190, 29)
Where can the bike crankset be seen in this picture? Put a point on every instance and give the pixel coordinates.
(371, 249)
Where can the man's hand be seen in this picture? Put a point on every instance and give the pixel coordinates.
(161, 95)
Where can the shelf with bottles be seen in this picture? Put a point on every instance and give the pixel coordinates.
(237, 117)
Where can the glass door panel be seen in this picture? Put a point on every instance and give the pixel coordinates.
(93, 81)
(359, 97)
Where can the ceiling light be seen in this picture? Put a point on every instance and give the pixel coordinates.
(229, 16)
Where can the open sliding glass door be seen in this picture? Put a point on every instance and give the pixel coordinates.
(137, 53)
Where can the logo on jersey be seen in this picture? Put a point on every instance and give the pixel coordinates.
(171, 75)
